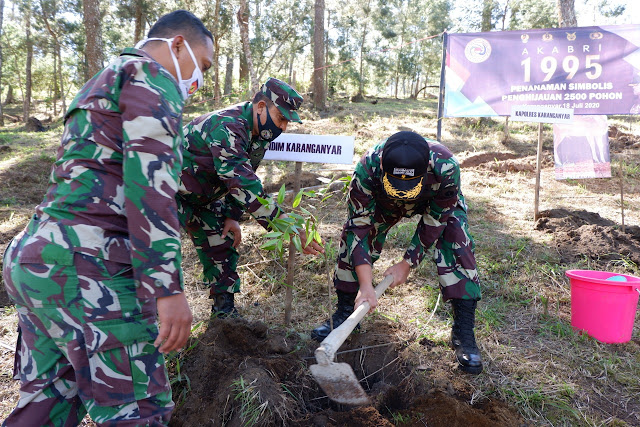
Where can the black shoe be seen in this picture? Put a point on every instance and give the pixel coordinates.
(346, 301)
(463, 339)
(223, 305)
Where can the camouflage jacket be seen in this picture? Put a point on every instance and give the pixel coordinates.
(112, 188)
(369, 205)
(220, 159)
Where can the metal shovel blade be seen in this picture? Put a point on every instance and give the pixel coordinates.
(340, 383)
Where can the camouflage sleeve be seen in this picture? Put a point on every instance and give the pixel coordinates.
(231, 208)
(233, 166)
(434, 220)
(152, 134)
(362, 207)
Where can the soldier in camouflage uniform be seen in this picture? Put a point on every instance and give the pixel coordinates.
(99, 261)
(221, 154)
(404, 176)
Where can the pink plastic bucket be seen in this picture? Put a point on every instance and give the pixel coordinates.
(604, 309)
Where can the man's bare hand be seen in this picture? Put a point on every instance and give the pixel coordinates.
(231, 225)
(368, 294)
(399, 271)
(175, 319)
(313, 248)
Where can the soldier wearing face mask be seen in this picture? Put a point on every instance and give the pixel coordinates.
(222, 151)
(98, 265)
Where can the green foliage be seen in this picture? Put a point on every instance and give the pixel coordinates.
(287, 228)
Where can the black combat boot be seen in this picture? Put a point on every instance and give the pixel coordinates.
(223, 305)
(462, 337)
(346, 301)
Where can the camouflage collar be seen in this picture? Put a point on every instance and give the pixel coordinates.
(247, 113)
(132, 51)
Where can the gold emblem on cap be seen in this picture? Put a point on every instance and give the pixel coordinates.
(596, 35)
(571, 36)
(547, 37)
(401, 194)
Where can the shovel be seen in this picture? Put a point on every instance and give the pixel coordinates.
(338, 379)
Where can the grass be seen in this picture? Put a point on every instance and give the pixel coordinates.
(534, 360)
(252, 407)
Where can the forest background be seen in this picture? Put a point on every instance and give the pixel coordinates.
(326, 48)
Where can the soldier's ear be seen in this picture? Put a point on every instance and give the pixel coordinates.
(261, 107)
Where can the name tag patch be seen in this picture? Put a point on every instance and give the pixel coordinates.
(402, 171)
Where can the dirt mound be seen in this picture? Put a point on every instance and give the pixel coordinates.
(505, 162)
(619, 140)
(581, 233)
(242, 373)
(484, 158)
(307, 179)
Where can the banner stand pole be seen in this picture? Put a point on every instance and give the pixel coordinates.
(621, 173)
(288, 298)
(441, 94)
(536, 214)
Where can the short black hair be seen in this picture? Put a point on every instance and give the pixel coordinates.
(180, 22)
(260, 96)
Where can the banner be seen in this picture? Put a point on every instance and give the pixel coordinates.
(312, 148)
(592, 70)
(581, 149)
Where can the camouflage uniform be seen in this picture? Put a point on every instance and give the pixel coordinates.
(443, 221)
(103, 245)
(218, 181)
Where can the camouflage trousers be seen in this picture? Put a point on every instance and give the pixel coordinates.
(453, 256)
(85, 344)
(219, 258)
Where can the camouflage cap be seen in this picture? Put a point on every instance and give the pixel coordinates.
(284, 97)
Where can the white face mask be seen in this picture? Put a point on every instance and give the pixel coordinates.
(187, 87)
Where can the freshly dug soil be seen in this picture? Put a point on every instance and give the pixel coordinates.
(581, 233)
(236, 366)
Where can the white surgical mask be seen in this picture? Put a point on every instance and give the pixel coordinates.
(187, 87)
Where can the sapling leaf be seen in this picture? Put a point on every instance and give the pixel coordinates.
(263, 202)
(272, 235)
(281, 195)
(269, 245)
(297, 199)
(297, 243)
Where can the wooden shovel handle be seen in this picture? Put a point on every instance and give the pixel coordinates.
(328, 347)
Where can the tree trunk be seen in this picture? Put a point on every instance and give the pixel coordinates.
(567, 13)
(60, 77)
(57, 71)
(216, 52)
(139, 18)
(244, 72)
(10, 99)
(228, 76)
(55, 84)
(1, 23)
(416, 89)
(26, 103)
(487, 9)
(400, 53)
(318, 56)
(243, 21)
(93, 31)
(293, 56)
(326, 57)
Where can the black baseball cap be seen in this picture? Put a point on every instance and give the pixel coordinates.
(405, 160)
